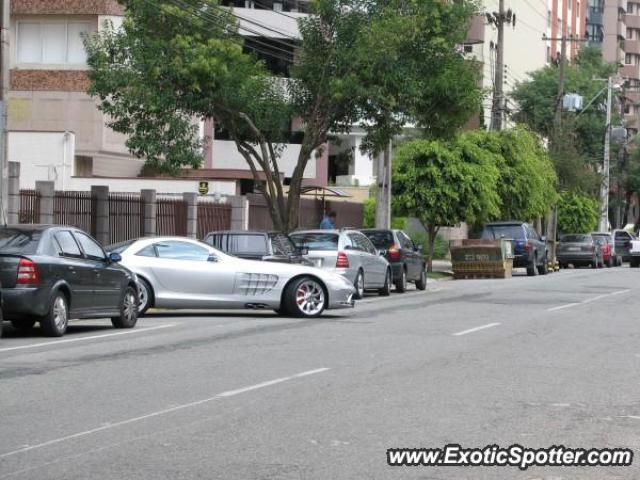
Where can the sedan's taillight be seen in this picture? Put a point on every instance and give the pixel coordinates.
(342, 261)
(394, 252)
(28, 273)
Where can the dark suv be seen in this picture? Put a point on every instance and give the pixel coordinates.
(529, 248)
(404, 257)
(51, 274)
(267, 246)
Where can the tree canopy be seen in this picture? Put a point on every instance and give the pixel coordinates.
(381, 63)
(577, 213)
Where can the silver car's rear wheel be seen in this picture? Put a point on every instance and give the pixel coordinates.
(359, 284)
(305, 297)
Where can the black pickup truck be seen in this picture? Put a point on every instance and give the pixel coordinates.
(267, 246)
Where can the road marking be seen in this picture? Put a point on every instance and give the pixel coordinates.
(92, 337)
(635, 417)
(588, 300)
(471, 330)
(108, 426)
(562, 307)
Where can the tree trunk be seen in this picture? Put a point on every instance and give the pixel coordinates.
(432, 232)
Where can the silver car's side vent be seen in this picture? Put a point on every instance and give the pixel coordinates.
(255, 283)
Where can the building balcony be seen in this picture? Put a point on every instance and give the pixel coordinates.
(632, 21)
(630, 71)
(622, 6)
(632, 46)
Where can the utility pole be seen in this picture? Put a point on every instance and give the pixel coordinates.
(5, 6)
(498, 19)
(383, 197)
(604, 187)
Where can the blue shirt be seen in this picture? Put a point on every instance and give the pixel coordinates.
(326, 223)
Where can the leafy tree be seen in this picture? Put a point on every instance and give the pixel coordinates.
(577, 147)
(176, 62)
(443, 184)
(577, 213)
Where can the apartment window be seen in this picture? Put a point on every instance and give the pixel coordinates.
(549, 18)
(569, 5)
(577, 9)
(52, 42)
(627, 108)
(629, 33)
(628, 59)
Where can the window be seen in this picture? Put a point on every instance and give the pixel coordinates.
(176, 250)
(627, 108)
(628, 59)
(18, 241)
(577, 9)
(316, 241)
(282, 245)
(83, 166)
(247, 244)
(90, 247)
(149, 251)
(68, 244)
(52, 42)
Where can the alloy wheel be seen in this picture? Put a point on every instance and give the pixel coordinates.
(60, 316)
(310, 297)
(129, 307)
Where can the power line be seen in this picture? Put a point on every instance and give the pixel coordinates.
(279, 13)
(544, 17)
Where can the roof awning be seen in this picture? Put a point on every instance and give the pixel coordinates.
(323, 191)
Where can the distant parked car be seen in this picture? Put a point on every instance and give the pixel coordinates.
(579, 250)
(529, 248)
(348, 253)
(623, 240)
(267, 246)
(178, 272)
(404, 257)
(613, 259)
(51, 274)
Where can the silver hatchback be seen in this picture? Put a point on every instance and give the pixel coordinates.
(348, 253)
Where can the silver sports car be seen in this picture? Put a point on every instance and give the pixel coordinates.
(178, 272)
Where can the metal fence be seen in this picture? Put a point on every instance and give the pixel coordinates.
(75, 209)
(126, 217)
(213, 216)
(29, 207)
(171, 216)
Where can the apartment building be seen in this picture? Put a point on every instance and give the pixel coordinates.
(56, 131)
(631, 68)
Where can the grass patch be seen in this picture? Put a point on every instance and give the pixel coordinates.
(438, 275)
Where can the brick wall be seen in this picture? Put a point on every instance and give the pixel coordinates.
(49, 80)
(66, 7)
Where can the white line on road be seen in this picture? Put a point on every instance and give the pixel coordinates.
(562, 307)
(471, 330)
(92, 337)
(588, 300)
(108, 426)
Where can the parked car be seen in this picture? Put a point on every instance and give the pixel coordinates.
(622, 240)
(51, 274)
(178, 272)
(634, 253)
(348, 253)
(267, 246)
(613, 259)
(579, 249)
(529, 248)
(404, 257)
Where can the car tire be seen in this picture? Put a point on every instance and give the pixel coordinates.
(634, 263)
(421, 283)
(594, 262)
(385, 291)
(23, 324)
(609, 263)
(54, 323)
(128, 309)
(304, 298)
(145, 296)
(401, 283)
(532, 269)
(359, 285)
(544, 268)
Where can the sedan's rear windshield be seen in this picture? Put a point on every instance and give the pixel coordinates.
(606, 238)
(381, 239)
(576, 239)
(19, 242)
(315, 241)
(496, 232)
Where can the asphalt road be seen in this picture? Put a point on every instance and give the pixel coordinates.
(250, 396)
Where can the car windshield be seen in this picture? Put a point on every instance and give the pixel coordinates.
(496, 232)
(576, 239)
(119, 247)
(282, 245)
(380, 238)
(19, 242)
(246, 244)
(315, 241)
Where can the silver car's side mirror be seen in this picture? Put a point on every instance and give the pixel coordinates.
(212, 258)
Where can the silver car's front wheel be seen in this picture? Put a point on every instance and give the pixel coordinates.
(305, 297)
(144, 296)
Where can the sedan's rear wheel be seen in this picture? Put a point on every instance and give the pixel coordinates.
(421, 283)
(55, 322)
(23, 324)
(304, 297)
(359, 284)
(401, 283)
(128, 309)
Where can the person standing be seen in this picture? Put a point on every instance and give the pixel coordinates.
(328, 221)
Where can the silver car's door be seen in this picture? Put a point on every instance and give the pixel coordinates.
(378, 263)
(191, 276)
